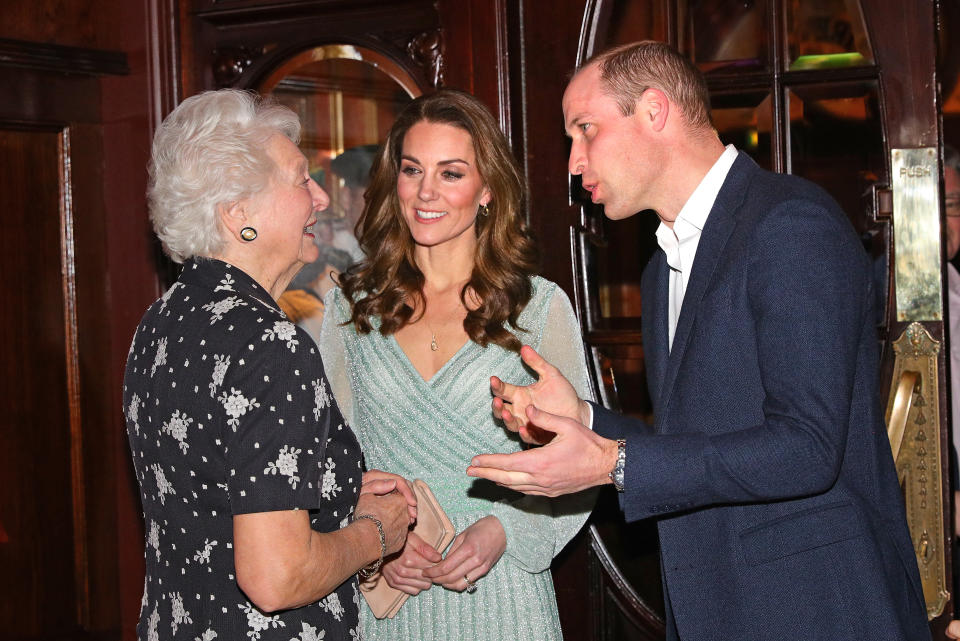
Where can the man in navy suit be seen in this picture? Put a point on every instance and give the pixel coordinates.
(768, 466)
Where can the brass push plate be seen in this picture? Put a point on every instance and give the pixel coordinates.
(916, 229)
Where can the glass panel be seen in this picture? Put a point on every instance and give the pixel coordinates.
(633, 20)
(724, 35)
(623, 371)
(745, 120)
(836, 140)
(824, 34)
(347, 98)
(617, 266)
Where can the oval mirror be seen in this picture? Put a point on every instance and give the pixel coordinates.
(347, 97)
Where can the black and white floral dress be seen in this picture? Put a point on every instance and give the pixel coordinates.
(229, 412)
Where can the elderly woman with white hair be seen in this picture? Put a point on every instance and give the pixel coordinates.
(257, 514)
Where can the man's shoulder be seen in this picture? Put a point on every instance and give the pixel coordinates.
(755, 194)
(772, 185)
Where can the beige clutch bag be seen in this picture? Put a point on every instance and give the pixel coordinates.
(434, 528)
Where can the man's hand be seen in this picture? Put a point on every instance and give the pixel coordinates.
(574, 460)
(552, 393)
(953, 630)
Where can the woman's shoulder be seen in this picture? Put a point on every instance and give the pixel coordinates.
(544, 292)
(336, 303)
(534, 314)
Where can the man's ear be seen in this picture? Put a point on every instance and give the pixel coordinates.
(233, 216)
(655, 108)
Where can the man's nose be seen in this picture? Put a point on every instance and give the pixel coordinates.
(576, 161)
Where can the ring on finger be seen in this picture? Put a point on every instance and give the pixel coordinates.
(471, 586)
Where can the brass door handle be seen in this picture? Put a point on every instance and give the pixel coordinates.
(902, 402)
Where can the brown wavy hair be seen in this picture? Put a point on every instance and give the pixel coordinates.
(388, 283)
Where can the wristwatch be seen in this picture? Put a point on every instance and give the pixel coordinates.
(616, 474)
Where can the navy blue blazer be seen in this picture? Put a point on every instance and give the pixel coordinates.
(768, 465)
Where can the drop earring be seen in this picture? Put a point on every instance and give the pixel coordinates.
(249, 234)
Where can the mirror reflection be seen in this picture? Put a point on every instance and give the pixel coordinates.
(346, 97)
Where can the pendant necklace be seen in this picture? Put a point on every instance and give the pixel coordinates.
(434, 345)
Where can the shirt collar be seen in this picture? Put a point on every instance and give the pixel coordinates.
(221, 276)
(693, 215)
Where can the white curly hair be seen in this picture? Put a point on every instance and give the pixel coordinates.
(210, 151)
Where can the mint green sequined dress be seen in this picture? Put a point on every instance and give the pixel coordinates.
(431, 430)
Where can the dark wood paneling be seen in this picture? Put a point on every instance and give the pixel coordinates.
(57, 58)
(86, 582)
(38, 585)
(551, 34)
(129, 257)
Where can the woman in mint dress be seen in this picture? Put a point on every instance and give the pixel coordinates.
(446, 297)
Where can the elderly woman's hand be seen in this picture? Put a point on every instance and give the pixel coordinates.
(390, 499)
(405, 571)
(379, 482)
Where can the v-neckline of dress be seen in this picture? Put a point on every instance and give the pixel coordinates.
(392, 339)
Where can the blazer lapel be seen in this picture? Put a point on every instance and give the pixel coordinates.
(656, 298)
(720, 224)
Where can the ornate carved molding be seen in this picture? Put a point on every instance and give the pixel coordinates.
(60, 59)
(426, 50)
(229, 63)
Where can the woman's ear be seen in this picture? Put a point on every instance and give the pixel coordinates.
(485, 197)
(233, 217)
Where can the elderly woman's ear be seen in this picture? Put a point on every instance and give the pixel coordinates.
(236, 221)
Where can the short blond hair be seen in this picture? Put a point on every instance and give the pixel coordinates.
(628, 70)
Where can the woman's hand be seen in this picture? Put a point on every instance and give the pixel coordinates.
(405, 572)
(389, 499)
(380, 482)
(472, 554)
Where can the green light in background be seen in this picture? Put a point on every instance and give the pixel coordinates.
(828, 61)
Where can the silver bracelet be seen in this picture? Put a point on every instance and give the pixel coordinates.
(373, 568)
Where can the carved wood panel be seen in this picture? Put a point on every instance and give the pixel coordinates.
(238, 43)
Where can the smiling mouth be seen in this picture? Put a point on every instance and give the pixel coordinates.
(430, 215)
(307, 228)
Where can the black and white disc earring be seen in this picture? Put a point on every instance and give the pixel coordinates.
(249, 234)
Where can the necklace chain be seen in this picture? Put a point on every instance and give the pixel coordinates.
(434, 344)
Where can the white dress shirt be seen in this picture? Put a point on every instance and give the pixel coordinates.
(680, 243)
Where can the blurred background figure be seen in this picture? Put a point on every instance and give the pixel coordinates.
(335, 237)
(353, 169)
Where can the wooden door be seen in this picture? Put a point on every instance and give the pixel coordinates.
(77, 273)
